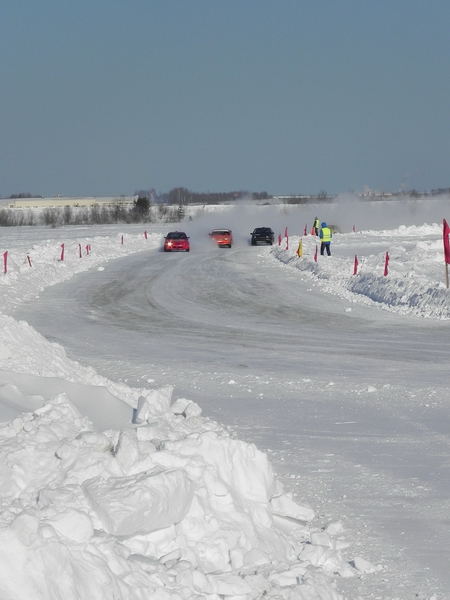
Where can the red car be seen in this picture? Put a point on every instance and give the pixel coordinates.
(176, 240)
(223, 237)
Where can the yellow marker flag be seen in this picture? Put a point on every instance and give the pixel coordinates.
(300, 249)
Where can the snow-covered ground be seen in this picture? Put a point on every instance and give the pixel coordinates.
(227, 423)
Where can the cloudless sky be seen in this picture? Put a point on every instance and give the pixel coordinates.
(284, 96)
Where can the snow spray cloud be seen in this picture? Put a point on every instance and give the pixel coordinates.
(368, 213)
(344, 212)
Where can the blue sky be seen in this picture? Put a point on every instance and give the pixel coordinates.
(284, 96)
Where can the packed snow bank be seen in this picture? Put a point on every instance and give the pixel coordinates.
(415, 283)
(173, 507)
(146, 498)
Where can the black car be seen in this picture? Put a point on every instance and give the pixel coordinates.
(262, 234)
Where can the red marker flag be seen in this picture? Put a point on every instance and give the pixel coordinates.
(305, 230)
(285, 232)
(446, 233)
(315, 255)
(62, 252)
(279, 239)
(355, 268)
(5, 262)
(353, 229)
(386, 264)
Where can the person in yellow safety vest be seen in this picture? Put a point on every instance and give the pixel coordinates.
(325, 236)
(316, 225)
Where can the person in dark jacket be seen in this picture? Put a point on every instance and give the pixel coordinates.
(325, 236)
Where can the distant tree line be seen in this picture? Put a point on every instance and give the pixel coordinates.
(440, 191)
(142, 211)
(183, 196)
(24, 195)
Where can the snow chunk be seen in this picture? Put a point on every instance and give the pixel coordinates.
(26, 528)
(155, 403)
(284, 506)
(228, 584)
(244, 469)
(127, 450)
(290, 577)
(73, 524)
(255, 556)
(322, 556)
(320, 538)
(334, 527)
(364, 566)
(185, 407)
(140, 504)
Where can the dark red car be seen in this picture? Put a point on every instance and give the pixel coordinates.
(176, 240)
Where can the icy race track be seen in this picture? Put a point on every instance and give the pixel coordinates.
(347, 399)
